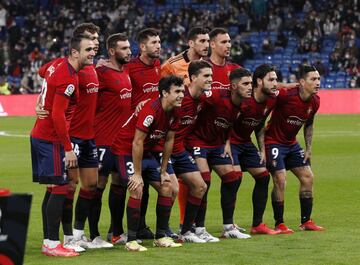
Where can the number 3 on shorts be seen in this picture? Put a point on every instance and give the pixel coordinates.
(275, 152)
(130, 168)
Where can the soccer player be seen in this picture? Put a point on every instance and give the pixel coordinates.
(184, 165)
(50, 140)
(207, 142)
(134, 161)
(198, 41)
(246, 157)
(220, 45)
(295, 107)
(144, 72)
(112, 111)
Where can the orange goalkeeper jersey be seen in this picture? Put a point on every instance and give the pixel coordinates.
(177, 65)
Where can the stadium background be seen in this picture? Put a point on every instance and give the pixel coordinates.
(36, 31)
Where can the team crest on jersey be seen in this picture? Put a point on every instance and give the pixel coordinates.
(309, 110)
(198, 109)
(51, 69)
(148, 120)
(208, 93)
(69, 90)
(157, 70)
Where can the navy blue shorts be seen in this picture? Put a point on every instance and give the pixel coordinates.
(183, 163)
(158, 157)
(281, 156)
(212, 155)
(125, 167)
(48, 165)
(106, 160)
(246, 155)
(86, 152)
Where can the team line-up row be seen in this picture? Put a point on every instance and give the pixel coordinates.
(167, 126)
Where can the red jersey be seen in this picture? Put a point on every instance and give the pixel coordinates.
(59, 95)
(113, 105)
(48, 68)
(153, 120)
(144, 80)
(221, 74)
(82, 124)
(253, 113)
(289, 115)
(214, 121)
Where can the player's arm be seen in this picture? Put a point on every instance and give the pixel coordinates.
(308, 134)
(136, 180)
(168, 147)
(260, 138)
(60, 105)
(41, 113)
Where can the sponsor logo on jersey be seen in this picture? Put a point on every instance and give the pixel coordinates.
(187, 120)
(157, 135)
(251, 122)
(294, 120)
(221, 122)
(150, 87)
(219, 85)
(92, 88)
(125, 93)
(148, 120)
(69, 90)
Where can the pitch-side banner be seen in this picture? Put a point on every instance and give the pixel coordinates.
(339, 101)
(14, 220)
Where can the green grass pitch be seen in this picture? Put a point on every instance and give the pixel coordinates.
(336, 159)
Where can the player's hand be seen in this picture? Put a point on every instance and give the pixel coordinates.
(227, 152)
(41, 113)
(307, 156)
(70, 160)
(262, 155)
(164, 177)
(140, 106)
(135, 181)
(102, 62)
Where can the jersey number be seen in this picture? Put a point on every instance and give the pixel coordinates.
(275, 152)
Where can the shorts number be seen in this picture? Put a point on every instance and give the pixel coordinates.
(76, 149)
(275, 152)
(130, 168)
(102, 152)
(161, 155)
(197, 151)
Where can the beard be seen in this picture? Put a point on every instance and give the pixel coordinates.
(121, 60)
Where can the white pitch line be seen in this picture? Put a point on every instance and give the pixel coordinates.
(6, 134)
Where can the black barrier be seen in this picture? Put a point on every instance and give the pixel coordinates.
(14, 220)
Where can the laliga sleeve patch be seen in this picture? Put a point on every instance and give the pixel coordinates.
(148, 120)
(69, 90)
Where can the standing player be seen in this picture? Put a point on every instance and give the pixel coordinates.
(144, 72)
(112, 111)
(198, 41)
(220, 44)
(50, 140)
(245, 155)
(135, 163)
(295, 107)
(207, 142)
(184, 165)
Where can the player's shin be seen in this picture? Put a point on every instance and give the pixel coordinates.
(117, 198)
(230, 184)
(259, 197)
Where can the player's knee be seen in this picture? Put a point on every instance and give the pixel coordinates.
(307, 180)
(102, 181)
(137, 193)
(279, 183)
(165, 189)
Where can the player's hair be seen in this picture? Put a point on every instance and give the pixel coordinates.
(305, 69)
(261, 71)
(114, 38)
(193, 32)
(75, 42)
(238, 73)
(81, 28)
(217, 31)
(166, 82)
(144, 34)
(196, 66)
